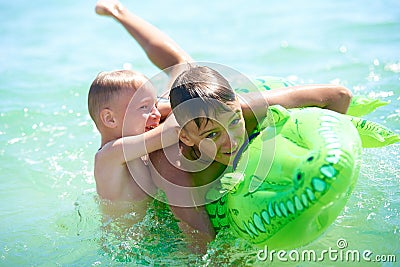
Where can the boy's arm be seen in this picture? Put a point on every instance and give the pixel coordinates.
(128, 148)
(333, 97)
(188, 201)
(159, 47)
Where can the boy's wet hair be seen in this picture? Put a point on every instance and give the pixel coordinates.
(108, 85)
(198, 92)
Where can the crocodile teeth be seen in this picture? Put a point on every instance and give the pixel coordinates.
(304, 199)
(258, 223)
(328, 171)
(318, 184)
(270, 210)
(277, 210)
(333, 146)
(253, 229)
(310, 194)
(283, 209)
(332, 159)
(247, 230)
(290, 206)
(265, 216)
(329, 118)
(297, 203)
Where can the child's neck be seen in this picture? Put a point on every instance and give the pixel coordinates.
(106, 138)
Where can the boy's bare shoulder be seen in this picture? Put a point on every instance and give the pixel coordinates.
(105, 152)
(114, 181)
(108, 159)
(101, 164)
(108, 172)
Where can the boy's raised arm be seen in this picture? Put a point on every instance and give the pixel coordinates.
(333, 97)
(159, 47)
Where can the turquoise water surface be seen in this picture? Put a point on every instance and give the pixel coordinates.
(50, 52)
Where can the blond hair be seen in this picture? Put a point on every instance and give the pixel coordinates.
(107, 85)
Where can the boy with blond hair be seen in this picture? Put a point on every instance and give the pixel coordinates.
(114, 98)
(123, 106)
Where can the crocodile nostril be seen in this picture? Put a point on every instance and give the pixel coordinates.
(298, 179)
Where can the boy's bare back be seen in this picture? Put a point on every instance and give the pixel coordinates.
(116, 182)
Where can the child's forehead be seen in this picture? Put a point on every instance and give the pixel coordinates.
(200, 111)
(148, 86)
(146, 89)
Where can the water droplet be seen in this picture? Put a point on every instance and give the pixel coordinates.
(127, 66)
(343, 49)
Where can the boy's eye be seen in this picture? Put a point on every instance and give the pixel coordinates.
(211, 135)
(235, 122)
(144, 107)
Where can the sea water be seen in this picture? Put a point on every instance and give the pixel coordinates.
(52, 50)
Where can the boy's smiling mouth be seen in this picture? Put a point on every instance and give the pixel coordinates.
(150, 127)
(230, 153)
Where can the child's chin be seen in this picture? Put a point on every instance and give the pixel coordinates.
(225, 159)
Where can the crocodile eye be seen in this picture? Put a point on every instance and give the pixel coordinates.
(310, 159)
(235, 212)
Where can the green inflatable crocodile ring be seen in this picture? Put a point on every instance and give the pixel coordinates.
(295, 175)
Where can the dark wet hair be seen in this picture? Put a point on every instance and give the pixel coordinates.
(197, 92)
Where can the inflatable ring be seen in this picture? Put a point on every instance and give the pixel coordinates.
(314, 169)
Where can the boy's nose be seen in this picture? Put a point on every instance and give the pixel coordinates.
(230, 141)
(155, 112)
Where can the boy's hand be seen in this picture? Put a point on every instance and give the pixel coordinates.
(230, 181)
(171, 123)
(170, 131)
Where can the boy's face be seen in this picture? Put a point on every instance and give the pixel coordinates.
(141, 113)
(219, 137)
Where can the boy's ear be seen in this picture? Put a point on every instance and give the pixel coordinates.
(108, 119)
(184, 137)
